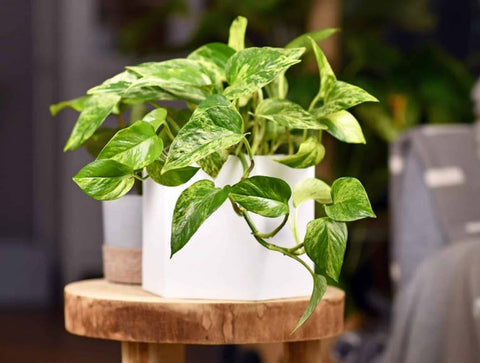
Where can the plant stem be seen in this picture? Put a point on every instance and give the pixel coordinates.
(305, 134)
(296, 248)
(295, 227)
(272, 247)
(138, 177)
(255, 233)
(172, 123)
(243, 160)
(121, 121)
(275, 231)
(168, 131)
(289, 141)
(259, 132)
(314, 101)
(250, 155)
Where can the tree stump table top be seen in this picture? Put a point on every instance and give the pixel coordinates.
(99, 309)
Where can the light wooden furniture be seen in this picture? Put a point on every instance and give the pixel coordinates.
(154, 329)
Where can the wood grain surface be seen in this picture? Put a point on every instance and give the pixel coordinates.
(99, 309)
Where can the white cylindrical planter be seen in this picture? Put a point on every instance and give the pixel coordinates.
(122, 233)
(222, 260)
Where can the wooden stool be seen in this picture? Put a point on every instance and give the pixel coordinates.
(153, 329)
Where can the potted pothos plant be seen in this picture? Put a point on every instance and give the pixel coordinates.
(237, 157)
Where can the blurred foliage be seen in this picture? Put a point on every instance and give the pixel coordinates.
(396, 58)
(142, 27)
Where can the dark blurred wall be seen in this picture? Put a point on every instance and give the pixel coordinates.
(16, 139)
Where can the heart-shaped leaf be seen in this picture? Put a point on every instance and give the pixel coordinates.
(325, 243)
(311, 188)
(319, 289)
(76, 104)
(156, 117)
(262, 195)
(171, 178)
(136, 146)
(236, 39)
(95, 111)
(193, 207)
(350, 201)
(214, 126)
(345, 127)
(310, 153)
(341, 97)
(250, 69)
(288, 114)
(105, 179)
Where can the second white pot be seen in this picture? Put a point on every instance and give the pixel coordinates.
(122, 235)
(222, 260)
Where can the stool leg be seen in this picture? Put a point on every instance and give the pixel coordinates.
(152, 353)
(305, 352)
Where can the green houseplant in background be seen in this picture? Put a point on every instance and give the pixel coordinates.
(235, 106)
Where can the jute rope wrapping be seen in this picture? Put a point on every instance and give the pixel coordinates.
(123, 265)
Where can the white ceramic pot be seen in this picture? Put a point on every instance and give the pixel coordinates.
(122, 235)
(222, 260)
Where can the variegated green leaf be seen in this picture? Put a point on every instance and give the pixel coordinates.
(156, 118)
(325, 243)
(171, 178)
(76, 104)
(212, 164)
(105, 179)
(250, 69)
(214, 126)
(288, 114)
(236, 39)
(133, 89)
(185, 78)
(350, 201)
(99, 139)
(116, 85)
(96, 109)
(342, 97)
(215, 56)
(193, 207)
(311, 188)
(319, 288)
(262, 195)
(310, 153)
(327, 77)
(136, 146)
(318, 35)
(146, 89)
(345, 127)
